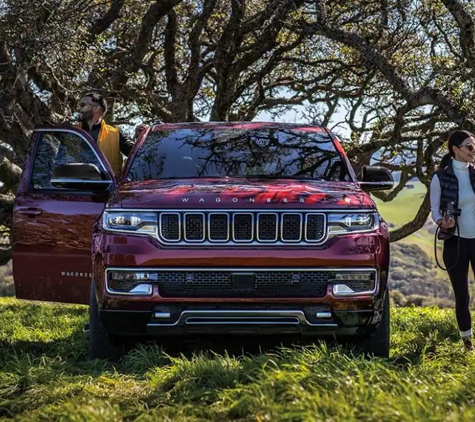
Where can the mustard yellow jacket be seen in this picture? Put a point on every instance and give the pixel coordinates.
(109, 143)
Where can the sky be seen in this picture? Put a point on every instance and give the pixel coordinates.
(295, 115)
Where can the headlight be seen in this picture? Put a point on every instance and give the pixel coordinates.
(131, 222)
(352, 223)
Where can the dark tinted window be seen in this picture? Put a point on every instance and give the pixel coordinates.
(56, 148)
(234, 152)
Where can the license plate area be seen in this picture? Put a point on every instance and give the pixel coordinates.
(244, 281)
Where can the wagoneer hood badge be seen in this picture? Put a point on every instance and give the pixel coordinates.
(238, 193)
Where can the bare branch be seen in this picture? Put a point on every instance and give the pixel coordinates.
(466, 24)
(170, 53)
(414, 99)
(103, 23)
(154, 14)
(416, 224)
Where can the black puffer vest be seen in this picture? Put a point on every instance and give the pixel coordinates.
(449, 185)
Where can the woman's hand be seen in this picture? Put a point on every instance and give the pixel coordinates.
(446, 222)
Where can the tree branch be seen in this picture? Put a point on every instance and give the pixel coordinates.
(103, 23)
(414, 99)
(466, 25)
(170, 53)
(194, 43)
(154, 14)
(416, 224)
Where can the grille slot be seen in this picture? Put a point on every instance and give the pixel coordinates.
(218, 227)
(194, 227)
(242, 228)
(170, 226)
(291, 227)
(267, 230)
(315, 227)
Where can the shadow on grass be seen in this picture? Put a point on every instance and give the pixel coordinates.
(72, 351)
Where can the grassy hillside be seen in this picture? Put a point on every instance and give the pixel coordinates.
(44, 375)
(403, 209)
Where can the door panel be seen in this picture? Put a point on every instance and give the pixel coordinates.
(52, 227)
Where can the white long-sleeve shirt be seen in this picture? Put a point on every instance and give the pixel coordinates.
(466, 203)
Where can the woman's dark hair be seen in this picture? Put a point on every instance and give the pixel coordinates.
(455, 140)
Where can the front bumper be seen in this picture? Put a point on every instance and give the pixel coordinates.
(328, 314)
(235, 319)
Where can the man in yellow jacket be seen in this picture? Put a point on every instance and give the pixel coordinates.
(110, 139)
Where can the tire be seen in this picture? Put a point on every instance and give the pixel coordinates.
(101, 344)
(378, 343)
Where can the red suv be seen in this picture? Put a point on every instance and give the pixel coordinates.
(216, 228)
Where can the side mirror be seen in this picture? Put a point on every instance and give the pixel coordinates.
(80, 176)
(376, 178)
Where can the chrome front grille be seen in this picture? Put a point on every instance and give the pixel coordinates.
(241, 228)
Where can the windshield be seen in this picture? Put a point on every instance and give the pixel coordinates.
(237, 152)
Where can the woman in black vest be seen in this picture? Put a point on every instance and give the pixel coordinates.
(454, 184)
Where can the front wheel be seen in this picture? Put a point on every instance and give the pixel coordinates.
(101, 344)
(378, 344)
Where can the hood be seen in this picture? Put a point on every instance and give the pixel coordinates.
(240, 193)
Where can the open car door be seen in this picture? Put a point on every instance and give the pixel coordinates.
(65, 184)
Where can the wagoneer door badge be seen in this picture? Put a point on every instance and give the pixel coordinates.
(76, 274)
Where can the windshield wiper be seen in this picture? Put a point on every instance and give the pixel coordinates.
(184, 177)
(269, 176)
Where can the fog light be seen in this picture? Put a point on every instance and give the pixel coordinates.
(353, 276)
(130, 283)
(133, 276)
(342, 290)
(353, 282)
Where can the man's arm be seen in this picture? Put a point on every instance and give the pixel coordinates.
(126, 144)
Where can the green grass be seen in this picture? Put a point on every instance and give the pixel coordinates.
(44, 375)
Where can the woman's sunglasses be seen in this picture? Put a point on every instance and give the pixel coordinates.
(470, 147)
